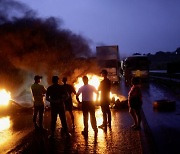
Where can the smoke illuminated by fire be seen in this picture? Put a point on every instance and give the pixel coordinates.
(5, 97)
(32, 45)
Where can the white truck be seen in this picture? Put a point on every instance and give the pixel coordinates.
(108, 59)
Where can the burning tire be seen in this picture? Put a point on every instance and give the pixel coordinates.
(164, 105)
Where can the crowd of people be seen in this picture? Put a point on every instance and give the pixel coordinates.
(60, 100)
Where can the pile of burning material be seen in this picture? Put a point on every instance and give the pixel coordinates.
(164, 105)
(120, 104)
(5, 97)
(95, 81)
(8, 106)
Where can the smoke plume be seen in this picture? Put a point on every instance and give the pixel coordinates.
(30, 45)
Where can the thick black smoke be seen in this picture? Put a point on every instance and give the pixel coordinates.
(31, 45)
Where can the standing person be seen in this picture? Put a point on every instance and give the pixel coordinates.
(68, 103)
(135, 102)
(88, 106)
(56, 95)
(105, 87)
(38, 92)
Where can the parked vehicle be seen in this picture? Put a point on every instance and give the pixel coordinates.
(108, 59)
(135, 66)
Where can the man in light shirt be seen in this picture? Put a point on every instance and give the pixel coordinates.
(38, 92)
(88, 106)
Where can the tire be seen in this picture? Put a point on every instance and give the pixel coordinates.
(164, 105)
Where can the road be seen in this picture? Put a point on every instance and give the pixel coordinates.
(119, 139)
(13, 128)
(19, 136)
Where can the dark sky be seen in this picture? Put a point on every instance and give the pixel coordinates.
(135, 25)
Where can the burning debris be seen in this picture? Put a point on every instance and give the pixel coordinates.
(9, 106)
(5, 97)
(4, 123)
(95, 81)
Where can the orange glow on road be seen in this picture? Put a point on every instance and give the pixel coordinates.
(5, 133)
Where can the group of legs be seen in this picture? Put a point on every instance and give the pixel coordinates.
(55, 112)
(38, 110)
(136, 116)
(89, 108)
(106, 117)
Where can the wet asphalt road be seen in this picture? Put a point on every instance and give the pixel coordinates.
(163, 127)
(120, 139)
(13, 128)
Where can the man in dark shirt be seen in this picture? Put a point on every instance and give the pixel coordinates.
(56, 95)
(105, 87)
(68, 103)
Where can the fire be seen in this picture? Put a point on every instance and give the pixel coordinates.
(4, 123)
(95, 81)
(5, 97)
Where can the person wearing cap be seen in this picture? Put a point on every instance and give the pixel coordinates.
(88, 106)
(105, 87)
(68, 103)
(56, 95)
(38, 92)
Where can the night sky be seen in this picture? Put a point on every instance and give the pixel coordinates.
(144, 26)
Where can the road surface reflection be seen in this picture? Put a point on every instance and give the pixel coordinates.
(120, 139)
(5, 133)
(12, 129)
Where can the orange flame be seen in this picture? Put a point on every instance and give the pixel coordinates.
(5, 97)
(4, 123)
(95, 81)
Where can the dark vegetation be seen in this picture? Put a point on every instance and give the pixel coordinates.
(165, 60)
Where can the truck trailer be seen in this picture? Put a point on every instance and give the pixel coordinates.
(108, 59)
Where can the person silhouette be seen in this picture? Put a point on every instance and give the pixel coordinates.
(105, 87)
(68, 103)
(135, 102)
(38, 92)
(88, 106)
(56, 95)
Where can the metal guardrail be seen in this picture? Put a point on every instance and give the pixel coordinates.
(163, 75)
(165, 78)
